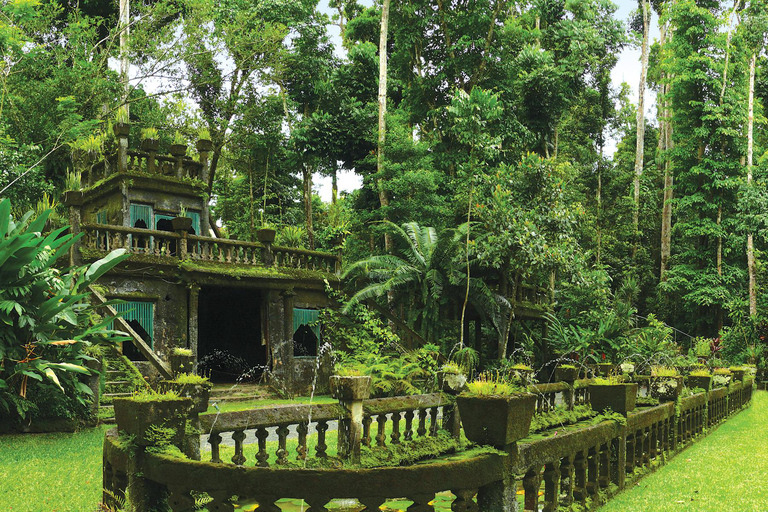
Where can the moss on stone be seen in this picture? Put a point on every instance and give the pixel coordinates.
(251, 271)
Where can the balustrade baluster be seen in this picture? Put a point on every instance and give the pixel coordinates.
(433, 421)
(215, 440)
(630, 463)
(372, 503)
(262, 457)
(592, 471)
(322, 428)
(316, 503)
(604, 461)
(395, 437)
(302, 429)
(463, 501)
(654, 440)
(552, 486)
(282, 452)
(422, 430)
(180, 500)
(238, 436)
(366, 440)
(408, 425)
(421, 503)
(646, 446)
(229, 254)
(381, 436)
(531, 484)
(639, 448)
(566, 481)
(221, 502)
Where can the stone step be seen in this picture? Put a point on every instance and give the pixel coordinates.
(118, 382)
(116, 395)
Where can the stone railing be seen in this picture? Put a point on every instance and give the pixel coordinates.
(418, 415)
(182, 246)
(176, 165)
(532, 294)
(280, 422)
(579, 468)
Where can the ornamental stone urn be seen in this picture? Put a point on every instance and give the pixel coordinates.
(350, 387)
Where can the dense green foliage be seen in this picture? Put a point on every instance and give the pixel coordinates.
(497, 186)
(46, 322)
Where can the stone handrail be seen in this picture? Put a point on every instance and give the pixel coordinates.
(414, 411)
(181, 246)
(583, 465)
(146, 163)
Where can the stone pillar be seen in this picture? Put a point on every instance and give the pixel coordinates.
(193, 322)
(74, 199)
(355, 434)
(204, 148)
(498, 496)
(282, 357)
(183, 242)
(121, 132)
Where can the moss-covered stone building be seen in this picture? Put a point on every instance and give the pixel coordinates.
(184, 288)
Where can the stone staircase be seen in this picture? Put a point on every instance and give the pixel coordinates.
(121, 378)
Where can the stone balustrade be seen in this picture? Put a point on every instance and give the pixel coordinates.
(417, 414)
(578, 467)
(182, 246)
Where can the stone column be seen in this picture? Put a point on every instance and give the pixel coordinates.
(193, 322)
(121, 132)
(74, 199)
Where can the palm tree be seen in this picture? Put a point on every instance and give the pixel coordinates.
(425, 274)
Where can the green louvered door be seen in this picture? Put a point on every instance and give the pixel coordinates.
(141, 212)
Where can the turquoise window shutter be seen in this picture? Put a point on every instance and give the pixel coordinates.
(195, 221)
(101, 217)
(141, 311)
(159, 217)
(141, 212)
(306, 317)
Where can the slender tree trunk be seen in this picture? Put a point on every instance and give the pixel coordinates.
(466, 291)
(665, 146)
(750, 147)
(307, 178)
(383, 194)
(252, 227)
(639, 149)
(599, 199)
(334, 186)
(125, 18)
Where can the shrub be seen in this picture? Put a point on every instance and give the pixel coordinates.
(46, 322)
(488, 384)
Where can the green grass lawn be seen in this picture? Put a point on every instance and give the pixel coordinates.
(51, 472)
(723, 472)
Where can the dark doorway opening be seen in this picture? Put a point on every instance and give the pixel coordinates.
(229, 336)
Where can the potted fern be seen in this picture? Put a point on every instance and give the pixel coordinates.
(613, 393)
(150, 140)
(566, 373)
(721, 377)
(266, 234)
(494, 411)
(179, 145)
(182, 222)
(122, 126)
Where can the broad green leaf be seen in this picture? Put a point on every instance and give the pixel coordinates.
(52, 376)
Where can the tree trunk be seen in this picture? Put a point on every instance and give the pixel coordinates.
(665, 145)
(639, 149)
(334, 186)
(383, 194)
(599, 199)
(125, 18)
(750, 147)
(307, 178)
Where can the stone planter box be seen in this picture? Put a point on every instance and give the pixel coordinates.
(738, 375)
(266, 235)
(605, 369)
(618, 397)
(666, 389)
(496, 420)
(121, 129)
(150, 145)
(204, 145)
(700, 381)
(198, 393)
(452, 383)
(135, 417)
(181, 223)
(721, 380)
(564, 374)
(181, 363)
(348, 388)
(73, 198)
(178, 149)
